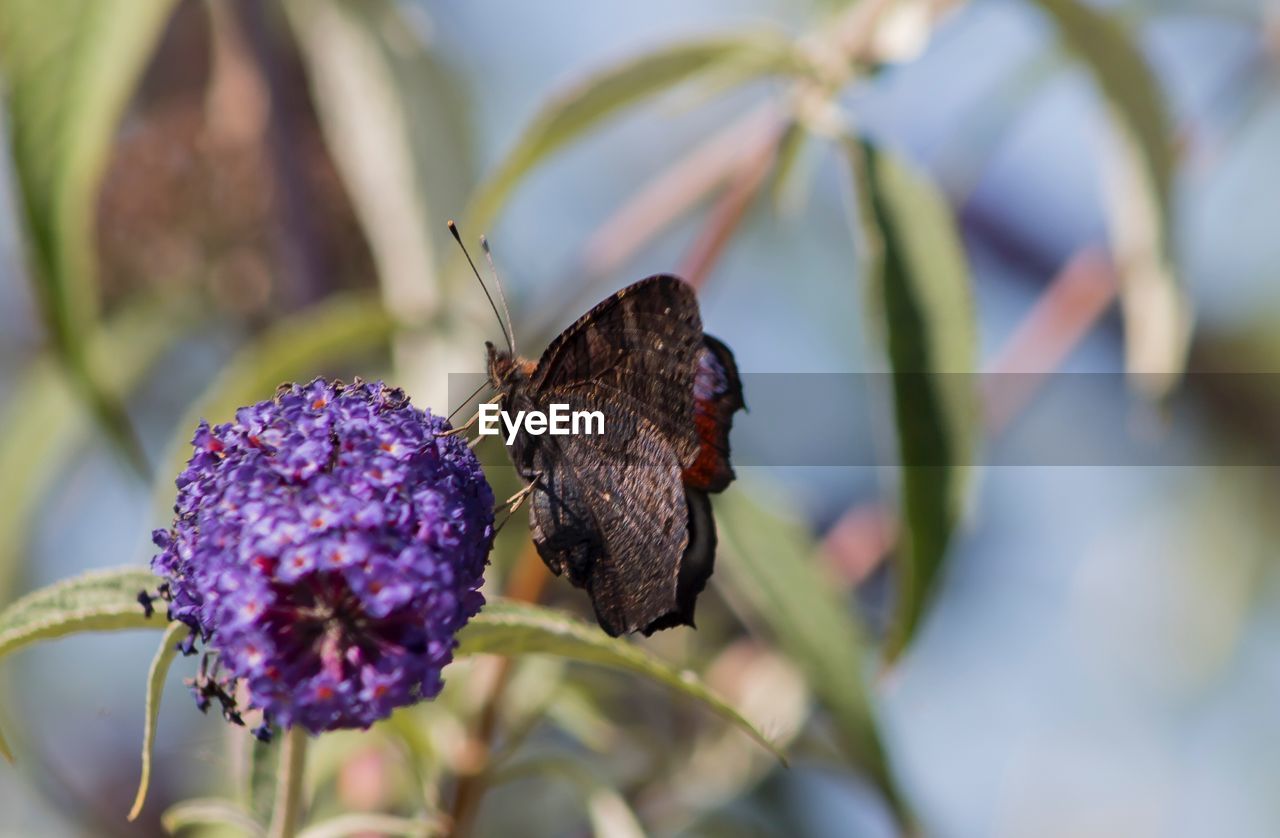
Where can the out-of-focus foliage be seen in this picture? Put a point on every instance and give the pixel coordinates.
(1158, 317)
(920, 289)
(70, 67)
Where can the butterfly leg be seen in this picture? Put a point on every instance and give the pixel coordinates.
(516, 501)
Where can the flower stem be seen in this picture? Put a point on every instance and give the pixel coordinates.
(293, 763)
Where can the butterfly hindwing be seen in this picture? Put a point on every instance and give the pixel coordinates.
(606, 510)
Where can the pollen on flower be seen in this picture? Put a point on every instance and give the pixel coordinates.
(306, 554)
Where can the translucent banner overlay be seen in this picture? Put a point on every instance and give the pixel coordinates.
(1063, 419)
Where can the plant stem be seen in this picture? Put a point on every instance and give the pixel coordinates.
(293, 763)
(526, 582)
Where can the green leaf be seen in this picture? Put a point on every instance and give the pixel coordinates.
(101, 600)
(343, 826)
(393, 117)
(5, 750)
(771, 569)
(296, 347)
(919, 282)
(210, 811)
(576, 110)
(1157, 313)
(105, 600)
(511, 628)
(155, 692)
(44, 429)
(70, 67)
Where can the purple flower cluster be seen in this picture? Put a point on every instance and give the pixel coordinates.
(327, 546)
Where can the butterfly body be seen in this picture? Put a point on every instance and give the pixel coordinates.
(625, 514)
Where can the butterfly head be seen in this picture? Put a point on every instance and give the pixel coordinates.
(507, 370)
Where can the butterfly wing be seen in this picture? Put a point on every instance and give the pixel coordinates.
(638, 350)
(717, 395)
(610, 512)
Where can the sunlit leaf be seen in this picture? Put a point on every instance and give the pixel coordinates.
(44, 428)
(102, 600)
(210, 812)
(296, 347)
(510, 628)
(155, 692)
(770, 568)
(69, 69)
(1157, 313)
(574, 111)
(391, 826)
(919, 281)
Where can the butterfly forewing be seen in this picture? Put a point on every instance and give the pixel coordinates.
(639, 350)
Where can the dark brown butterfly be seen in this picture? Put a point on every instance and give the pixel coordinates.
(625, 514)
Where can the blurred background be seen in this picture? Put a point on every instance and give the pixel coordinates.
(199, 200)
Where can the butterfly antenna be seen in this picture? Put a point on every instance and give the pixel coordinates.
(502, 297)
(511, 345)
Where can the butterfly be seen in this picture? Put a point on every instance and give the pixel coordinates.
(625, 514)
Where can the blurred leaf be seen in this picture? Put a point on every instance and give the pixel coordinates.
(574, 111)
(44, 429)
(393, 117)
(773, 569)
(155, 692)
(1157, 313)
(919, 282)
(510, 628)
(792, 143)
(371, 824)
(610, 814)
(5, 751)
(210, 812)
(70, 67)
(293, 348)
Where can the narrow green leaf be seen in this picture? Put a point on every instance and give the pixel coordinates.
(103, 600)
(919, 282)
(391, 826)
(155, 691)
(771, 570)
(209, 812)
(97, 601)
(5, 750)
(1157, 313)
(576, 110)
(69, 68)
(299, 346)
(511, 628)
